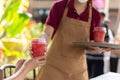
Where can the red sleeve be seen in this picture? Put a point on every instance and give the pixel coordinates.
(52, 18)
(55, 15)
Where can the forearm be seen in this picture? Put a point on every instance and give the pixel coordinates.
(48, 33)
(28, 66)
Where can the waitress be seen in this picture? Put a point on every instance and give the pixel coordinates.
(67, 22)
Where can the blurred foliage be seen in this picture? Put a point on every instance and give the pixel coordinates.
(16, 30)
(13, 21)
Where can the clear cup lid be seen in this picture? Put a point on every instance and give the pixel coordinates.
(100, 29)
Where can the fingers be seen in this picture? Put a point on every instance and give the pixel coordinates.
(41, 60)
(19, 64)
(41, 57)
(106, 49)
(94, 49)
(41, 63)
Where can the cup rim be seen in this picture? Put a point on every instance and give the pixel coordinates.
(100, 29)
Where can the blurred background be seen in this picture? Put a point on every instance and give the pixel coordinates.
(22, 20)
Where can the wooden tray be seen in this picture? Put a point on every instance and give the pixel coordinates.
(99, 44)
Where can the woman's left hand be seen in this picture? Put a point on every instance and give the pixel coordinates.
(32, 63)
(98, 50)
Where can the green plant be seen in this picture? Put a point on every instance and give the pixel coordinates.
(12, 23)
(15, 32)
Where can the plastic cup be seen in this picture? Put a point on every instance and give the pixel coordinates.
(99, 34)
(38, 47)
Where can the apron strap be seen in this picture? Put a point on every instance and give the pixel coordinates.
(89, 20)
(90, 14)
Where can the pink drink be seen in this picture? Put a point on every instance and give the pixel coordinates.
(99, 34)
(38, 47)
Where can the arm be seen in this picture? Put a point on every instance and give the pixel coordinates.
(48, 32)
(20, 74)
(27, 66)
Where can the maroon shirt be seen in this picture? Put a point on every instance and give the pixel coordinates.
(57, 10)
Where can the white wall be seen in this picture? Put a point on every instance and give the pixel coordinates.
(113, 4)
(47, 3)
(40, 4)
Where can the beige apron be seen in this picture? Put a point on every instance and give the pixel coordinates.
(66, 61)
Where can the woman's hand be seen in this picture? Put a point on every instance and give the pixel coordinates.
(31, 63)
(34, 62)
(98, 50)
(19, 64)
(24, 66)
